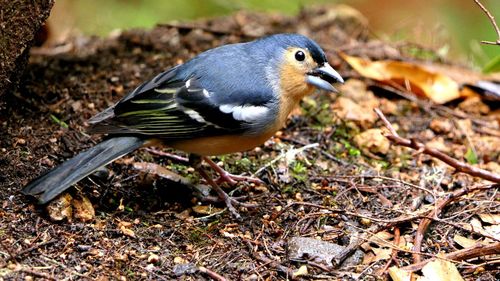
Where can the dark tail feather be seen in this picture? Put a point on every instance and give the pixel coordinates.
(57, 180)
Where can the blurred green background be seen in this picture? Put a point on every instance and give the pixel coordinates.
(456, 26)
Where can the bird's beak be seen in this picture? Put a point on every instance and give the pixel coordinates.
(323, 76)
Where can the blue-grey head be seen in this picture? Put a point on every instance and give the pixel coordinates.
(302, 63)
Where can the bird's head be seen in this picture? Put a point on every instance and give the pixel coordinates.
(302, 64)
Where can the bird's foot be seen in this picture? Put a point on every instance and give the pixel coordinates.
(231, 179)
(231, 202)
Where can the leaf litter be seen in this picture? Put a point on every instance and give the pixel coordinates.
(331, 179)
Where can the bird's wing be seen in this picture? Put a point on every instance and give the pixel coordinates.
(177, 109)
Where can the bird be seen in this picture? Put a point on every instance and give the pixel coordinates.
(228, 99)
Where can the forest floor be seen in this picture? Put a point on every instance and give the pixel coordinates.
(330, 175)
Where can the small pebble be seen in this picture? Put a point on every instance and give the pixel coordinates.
(366, 222)
(153, 258)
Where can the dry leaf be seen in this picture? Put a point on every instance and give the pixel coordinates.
(441, 125)
(357, 91)
(180, 260)
(83, 209)
(205, 210)
(347, 109)
(419, 80)
(373, 141)
(61, 208)
(438, 143)
(490, 218)
(301, 271)
(493, 167)
(464, 241)
(493, 230)
(441, 270)
(381, 239)
(388, 107)
(474, 105)
(398, 274)
(123, 226)
(382, 253)
(368, 258)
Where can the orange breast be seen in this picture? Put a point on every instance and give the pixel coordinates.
(210, 146)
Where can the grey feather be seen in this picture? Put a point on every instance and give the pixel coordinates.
(57, 180)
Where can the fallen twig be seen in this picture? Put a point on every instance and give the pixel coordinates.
(475, 251)
(397, 236)
(9, 251)
(262, 258)
(429, 107)
(35, 273)
(385, 223)
(493, 22)
(425, 222)
(32, 248)
(459, 166)
(212, 274)
(273, 263)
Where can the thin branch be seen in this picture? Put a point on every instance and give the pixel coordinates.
(425, 222)
(9, 251)
(493, 22)
(387, 223)
(35, 273)
(458, 165)
(397, 237)
(212, 274)
(475, 251)
(279, 267)
(32, 248)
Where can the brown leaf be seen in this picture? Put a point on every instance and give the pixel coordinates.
(490, 218)
(123, 226)
(372, 140)
(382, 253)
(300, 272)
(464, 241)
(83, 209)
(346, 109)
(437, 87)
(398, 274)
(474, 105)
(61, 208)
(441, 125)
(205, 210)
(442, 270)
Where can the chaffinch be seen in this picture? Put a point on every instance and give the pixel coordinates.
(228, 99)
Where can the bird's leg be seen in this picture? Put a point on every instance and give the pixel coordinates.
(195, 161)
(224, 175)
(228, 177)
(174, 157)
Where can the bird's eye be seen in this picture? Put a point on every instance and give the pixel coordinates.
(300, 56)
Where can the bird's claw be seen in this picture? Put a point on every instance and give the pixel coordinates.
(229, 178)
(234, 179)
(231, 202)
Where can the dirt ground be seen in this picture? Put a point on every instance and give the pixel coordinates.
(147, 227)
